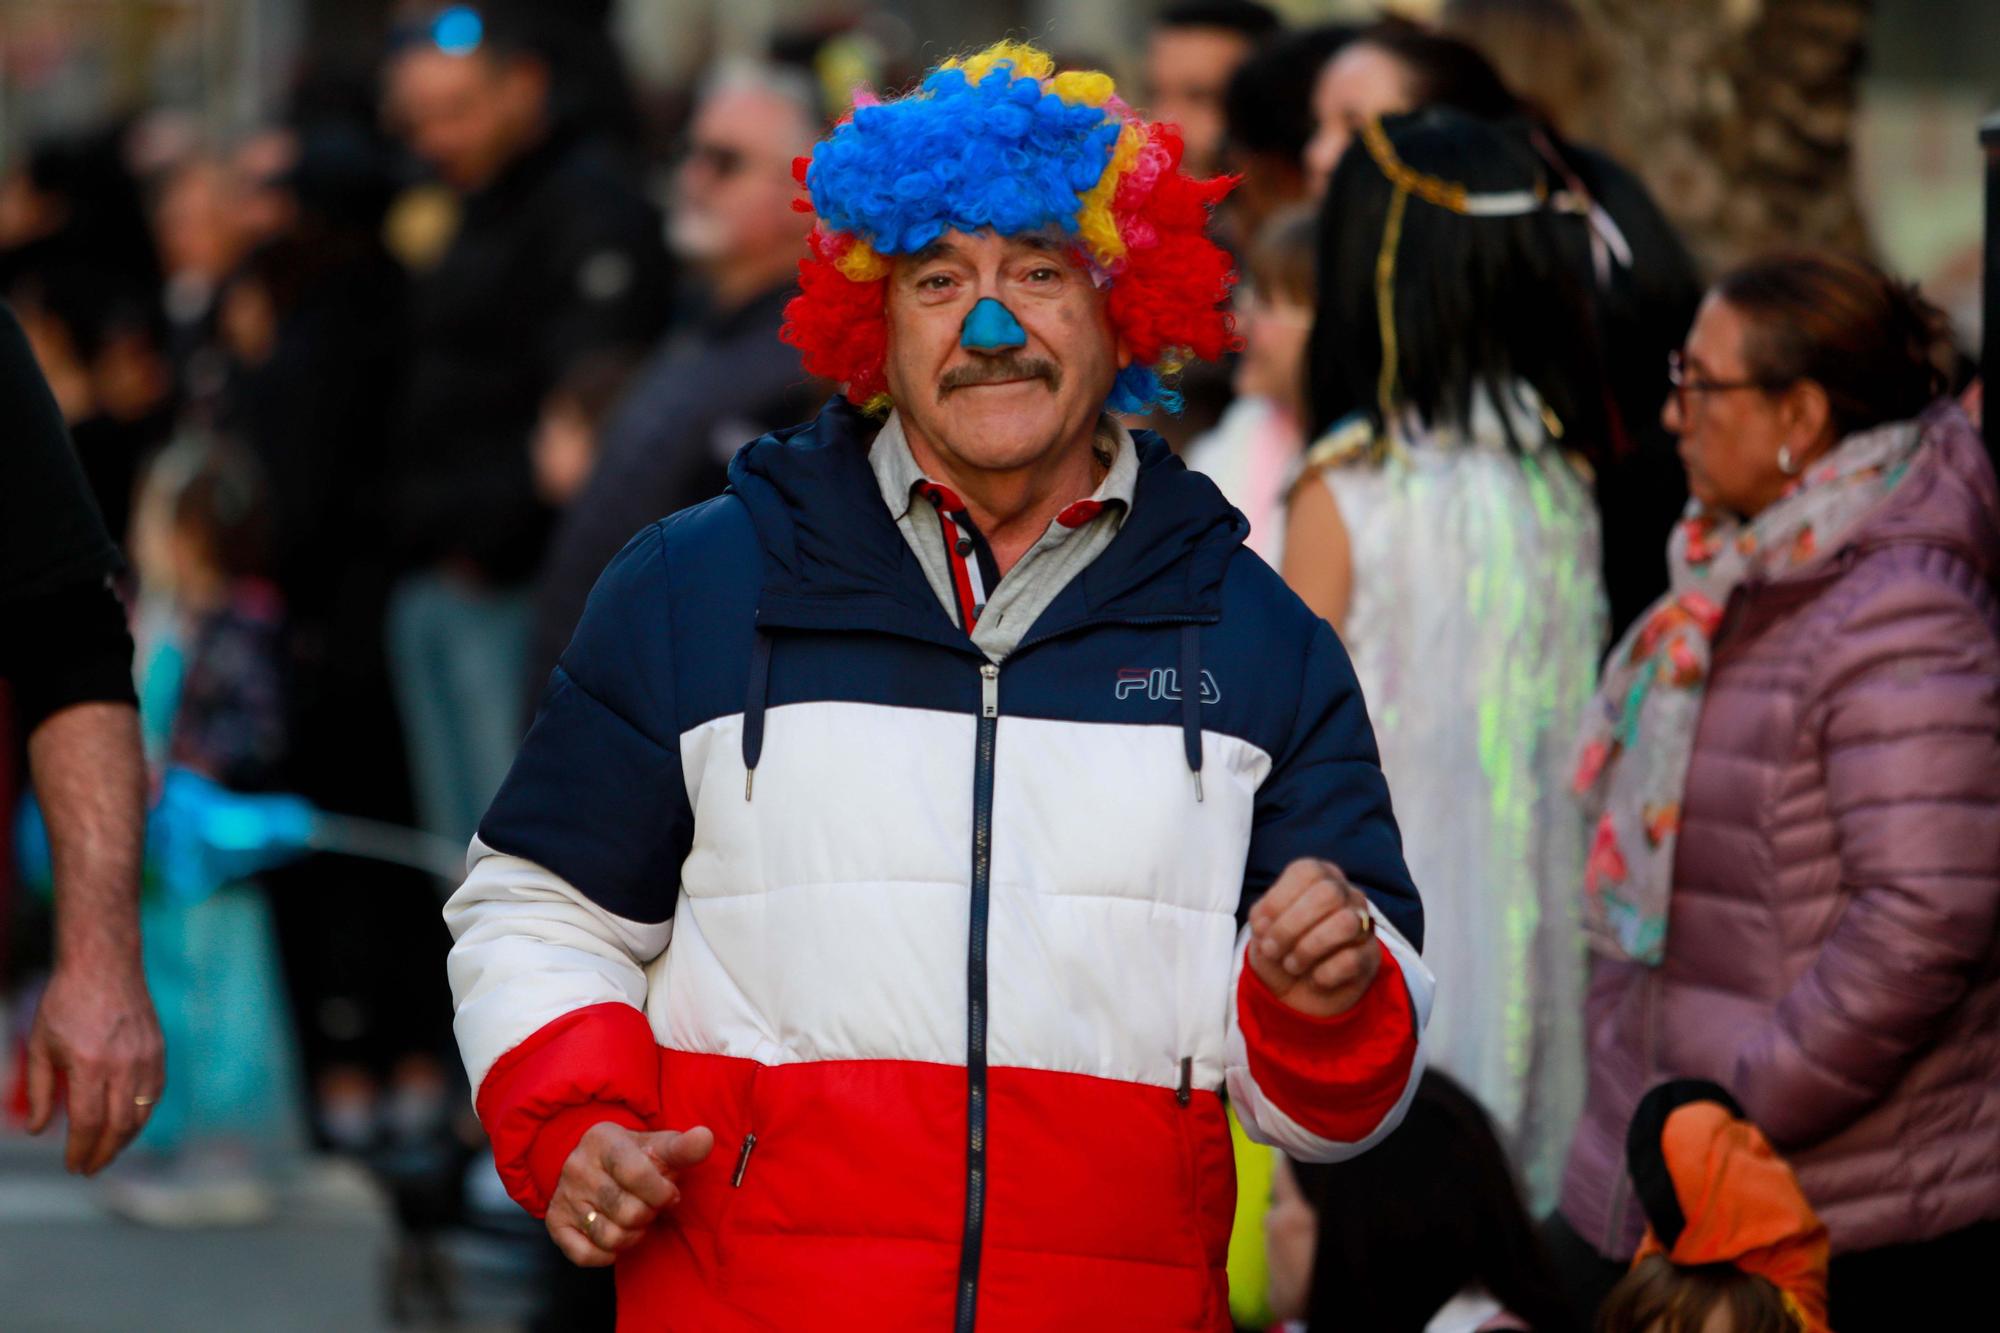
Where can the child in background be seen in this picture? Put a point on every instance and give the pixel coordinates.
(209, 647)
(1253, 453)
(209, 633)
(1424, 1233)
(1731, 1244)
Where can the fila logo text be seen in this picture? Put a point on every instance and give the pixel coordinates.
(1161, 683)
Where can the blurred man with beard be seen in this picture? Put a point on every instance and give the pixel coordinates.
(722, 376)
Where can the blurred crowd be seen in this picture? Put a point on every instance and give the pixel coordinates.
(370, 395)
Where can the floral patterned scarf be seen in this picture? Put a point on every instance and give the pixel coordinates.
(1638, 736)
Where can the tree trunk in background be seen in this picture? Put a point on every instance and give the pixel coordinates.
(1739, 116)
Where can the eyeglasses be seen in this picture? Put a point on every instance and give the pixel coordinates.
(1685, 383)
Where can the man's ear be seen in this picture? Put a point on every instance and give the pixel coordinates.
(1124, 353)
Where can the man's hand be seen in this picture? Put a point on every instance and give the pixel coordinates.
(96, 1029)
(96, 1025)
(1312, 940)
(614, 1184)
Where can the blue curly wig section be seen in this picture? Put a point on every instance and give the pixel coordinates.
(1137, 390)
(999, 153)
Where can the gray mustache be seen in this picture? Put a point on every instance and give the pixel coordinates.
(1006, 368)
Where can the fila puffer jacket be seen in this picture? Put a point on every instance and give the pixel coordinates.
(949, 956)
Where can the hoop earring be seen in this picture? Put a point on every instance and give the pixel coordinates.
(1786, 463)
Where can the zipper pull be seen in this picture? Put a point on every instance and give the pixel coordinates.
(989, 690)
(743, 1161)
(1185, 1092)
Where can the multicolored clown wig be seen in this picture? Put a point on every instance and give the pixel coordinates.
(1000, 140)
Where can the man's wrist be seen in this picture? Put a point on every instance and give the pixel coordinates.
(559, 1137)
(94, 946)
(1272, 999)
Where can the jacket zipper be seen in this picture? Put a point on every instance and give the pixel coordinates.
(975, 969)
(975, 995)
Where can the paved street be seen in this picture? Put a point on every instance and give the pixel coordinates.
(67, 1266)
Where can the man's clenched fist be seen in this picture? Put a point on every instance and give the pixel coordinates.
(614, 1184)
(1312, 940)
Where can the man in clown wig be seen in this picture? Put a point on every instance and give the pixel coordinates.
(916, 841)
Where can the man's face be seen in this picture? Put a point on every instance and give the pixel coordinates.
(195, 225)
(733, 192)
(265, 207)
(468, 116)
(1187, 74)
(999, 411)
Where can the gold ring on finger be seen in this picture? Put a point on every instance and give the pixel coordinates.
(590, 1224)
(142, 1101)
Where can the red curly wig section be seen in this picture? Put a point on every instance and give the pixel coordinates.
(840, 326)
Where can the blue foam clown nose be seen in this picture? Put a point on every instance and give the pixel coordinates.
(991, 327)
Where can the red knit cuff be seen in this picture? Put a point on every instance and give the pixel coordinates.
(596, 1063)
(1337, 1077)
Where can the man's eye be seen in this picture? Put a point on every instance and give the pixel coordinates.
(1044, 274)
(936, 282)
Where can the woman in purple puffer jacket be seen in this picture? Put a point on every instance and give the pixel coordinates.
(1793, 774)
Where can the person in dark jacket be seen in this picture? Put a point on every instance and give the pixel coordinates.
(915, 838)
(555, 256)
(65, 652)
(722, 376)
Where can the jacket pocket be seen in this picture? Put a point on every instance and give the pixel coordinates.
(1211, 1195)
(736, 1149)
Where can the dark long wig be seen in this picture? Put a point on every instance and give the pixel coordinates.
(1428, 1213)
(1478, 303)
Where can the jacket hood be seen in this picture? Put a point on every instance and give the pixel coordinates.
(1949, 500)
(835, 558)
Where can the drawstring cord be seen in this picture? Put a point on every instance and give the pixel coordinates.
(1191, 701)
(753, 708)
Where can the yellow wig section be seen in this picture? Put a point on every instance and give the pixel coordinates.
(861, 263)
(1094, 222)
(1028, 62)
(1083, 87)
